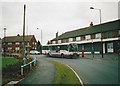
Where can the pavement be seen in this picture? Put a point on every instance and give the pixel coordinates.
(44, 73)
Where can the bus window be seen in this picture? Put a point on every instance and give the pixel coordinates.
(73, 47)
(57, 48)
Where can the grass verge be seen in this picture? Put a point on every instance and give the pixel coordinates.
(64, 75)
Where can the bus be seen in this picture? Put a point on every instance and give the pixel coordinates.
(61, 50)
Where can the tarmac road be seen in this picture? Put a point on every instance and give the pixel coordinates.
(90, 71)
(94, 71)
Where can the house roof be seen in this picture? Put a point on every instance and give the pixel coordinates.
(109, 26)
(17, 38)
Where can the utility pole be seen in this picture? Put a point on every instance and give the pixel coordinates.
(4, 44)
(24, 58)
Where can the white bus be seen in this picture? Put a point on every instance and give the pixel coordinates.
(61, 50)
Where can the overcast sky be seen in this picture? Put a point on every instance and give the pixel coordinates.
(51, 17)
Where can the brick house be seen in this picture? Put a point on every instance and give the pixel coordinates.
(90, 37)
(13, 44)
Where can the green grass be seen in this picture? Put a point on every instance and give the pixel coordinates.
(0, 62)
(64, 75)
(8, 61)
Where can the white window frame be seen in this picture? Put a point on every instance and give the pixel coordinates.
(87, 37)
(98, 36)
(53, 42)
(17, 43)
(59, 41)
(9, 43)
(119, 32)
(28, 43)
(78, 38)
(17, 48)
(32, 42)
(70, 39)
(9, 48)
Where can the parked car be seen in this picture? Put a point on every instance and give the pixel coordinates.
(34, 52)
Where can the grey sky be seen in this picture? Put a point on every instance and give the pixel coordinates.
(53, 16)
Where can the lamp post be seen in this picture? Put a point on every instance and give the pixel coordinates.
(4, 44)
(101, 28)
(40, 40)
(41, 35)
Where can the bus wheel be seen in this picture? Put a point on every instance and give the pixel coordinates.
(62, 55)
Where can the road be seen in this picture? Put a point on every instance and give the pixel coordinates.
(92, 71)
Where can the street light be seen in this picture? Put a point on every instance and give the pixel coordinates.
(41, 39)
(41, 35)
(101, 28)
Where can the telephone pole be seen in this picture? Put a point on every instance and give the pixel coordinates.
(24, 58)
(4, 43)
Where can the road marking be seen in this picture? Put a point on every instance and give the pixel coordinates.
(12, 83)
(80, 80)
(76, 74)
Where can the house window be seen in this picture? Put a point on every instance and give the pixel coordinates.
(28, 44)
(87, 37)
(59, 41)
(9, 48)
(53, 42)
(98, 35)
(118, 32)
(70, 39)
(33, 43)
(78, 38)
(9, 43)
(17, 43)
(17, 48)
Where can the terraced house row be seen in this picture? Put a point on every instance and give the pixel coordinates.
(95, 38)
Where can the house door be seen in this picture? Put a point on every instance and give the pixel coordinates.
(110, 47)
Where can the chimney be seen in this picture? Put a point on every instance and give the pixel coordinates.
(91, 24)
(56, 34)
(18, 34)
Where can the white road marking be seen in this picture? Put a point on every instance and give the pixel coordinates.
(76, 75)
